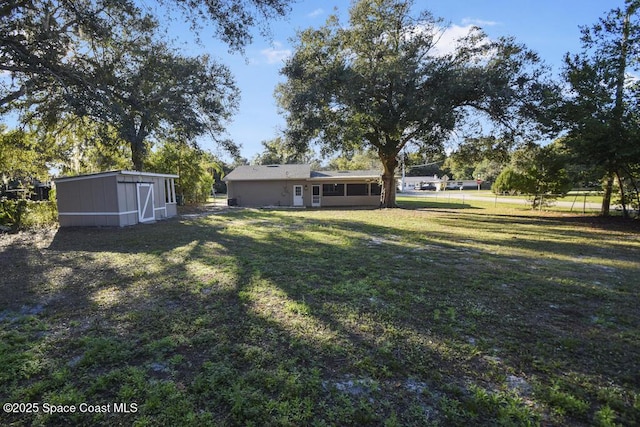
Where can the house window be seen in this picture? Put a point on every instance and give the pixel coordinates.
(333, 189)
(376, 189)
(357, 190)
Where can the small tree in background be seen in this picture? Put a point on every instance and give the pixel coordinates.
(538, 172)
(479, 157)
(195, 167)
(359, 160)
(509, 181)
(82, 145)
(23, 156)
(277, 152)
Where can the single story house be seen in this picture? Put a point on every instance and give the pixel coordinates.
(299, 186)
(116, 198)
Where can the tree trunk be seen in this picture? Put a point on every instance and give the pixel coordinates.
(635, 190)
(138, 154)
(623, 197)
(388, 196)
(135, 136)
(606, 199)
(618, 110)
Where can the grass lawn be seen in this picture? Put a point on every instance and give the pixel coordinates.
(579, 195)
(573, 201)
(451, 315)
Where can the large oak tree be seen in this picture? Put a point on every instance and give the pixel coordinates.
(151, 92)
(41, 40)
(105, 59)
(43, 44)
(384, 81)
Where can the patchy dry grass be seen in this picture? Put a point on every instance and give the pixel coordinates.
(346, 317)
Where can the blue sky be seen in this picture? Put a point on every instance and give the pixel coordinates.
(549, 27)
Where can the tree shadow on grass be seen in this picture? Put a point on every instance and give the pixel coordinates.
(429, 204)
(340, 320)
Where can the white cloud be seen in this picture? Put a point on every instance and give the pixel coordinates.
(631, 78)
(446, 39)
(276, 53)
(315, 13)
(449, 39)
(479, 22)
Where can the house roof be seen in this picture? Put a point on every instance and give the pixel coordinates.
(297, 172)
(269, 173)
(111, 173)
(338, 175)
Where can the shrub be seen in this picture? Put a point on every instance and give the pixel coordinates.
(538, 172)
(509, 181)
(24, 214)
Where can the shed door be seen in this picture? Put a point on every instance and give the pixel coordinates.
(145, 203)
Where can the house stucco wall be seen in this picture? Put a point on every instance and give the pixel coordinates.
(266, 193)
(337, 201)
(280, 193)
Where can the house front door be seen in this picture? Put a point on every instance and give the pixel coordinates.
(298, 195)
(146, 212)
(315, 196)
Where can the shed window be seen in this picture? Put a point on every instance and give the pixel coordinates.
(169, 191)
(357, 190)
(333, 189)
(376, 189)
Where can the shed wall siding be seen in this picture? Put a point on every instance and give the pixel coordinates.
(94, 195)
(172, 210)
(109, 200)
(89, 220)
(127, 201)
(90, 202)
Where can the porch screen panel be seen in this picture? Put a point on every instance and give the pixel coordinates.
(332, 190)
(357, 189)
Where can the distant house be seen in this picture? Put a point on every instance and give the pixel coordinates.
(436, 183)
(117, 198)
(299, 186)
(30, 188)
